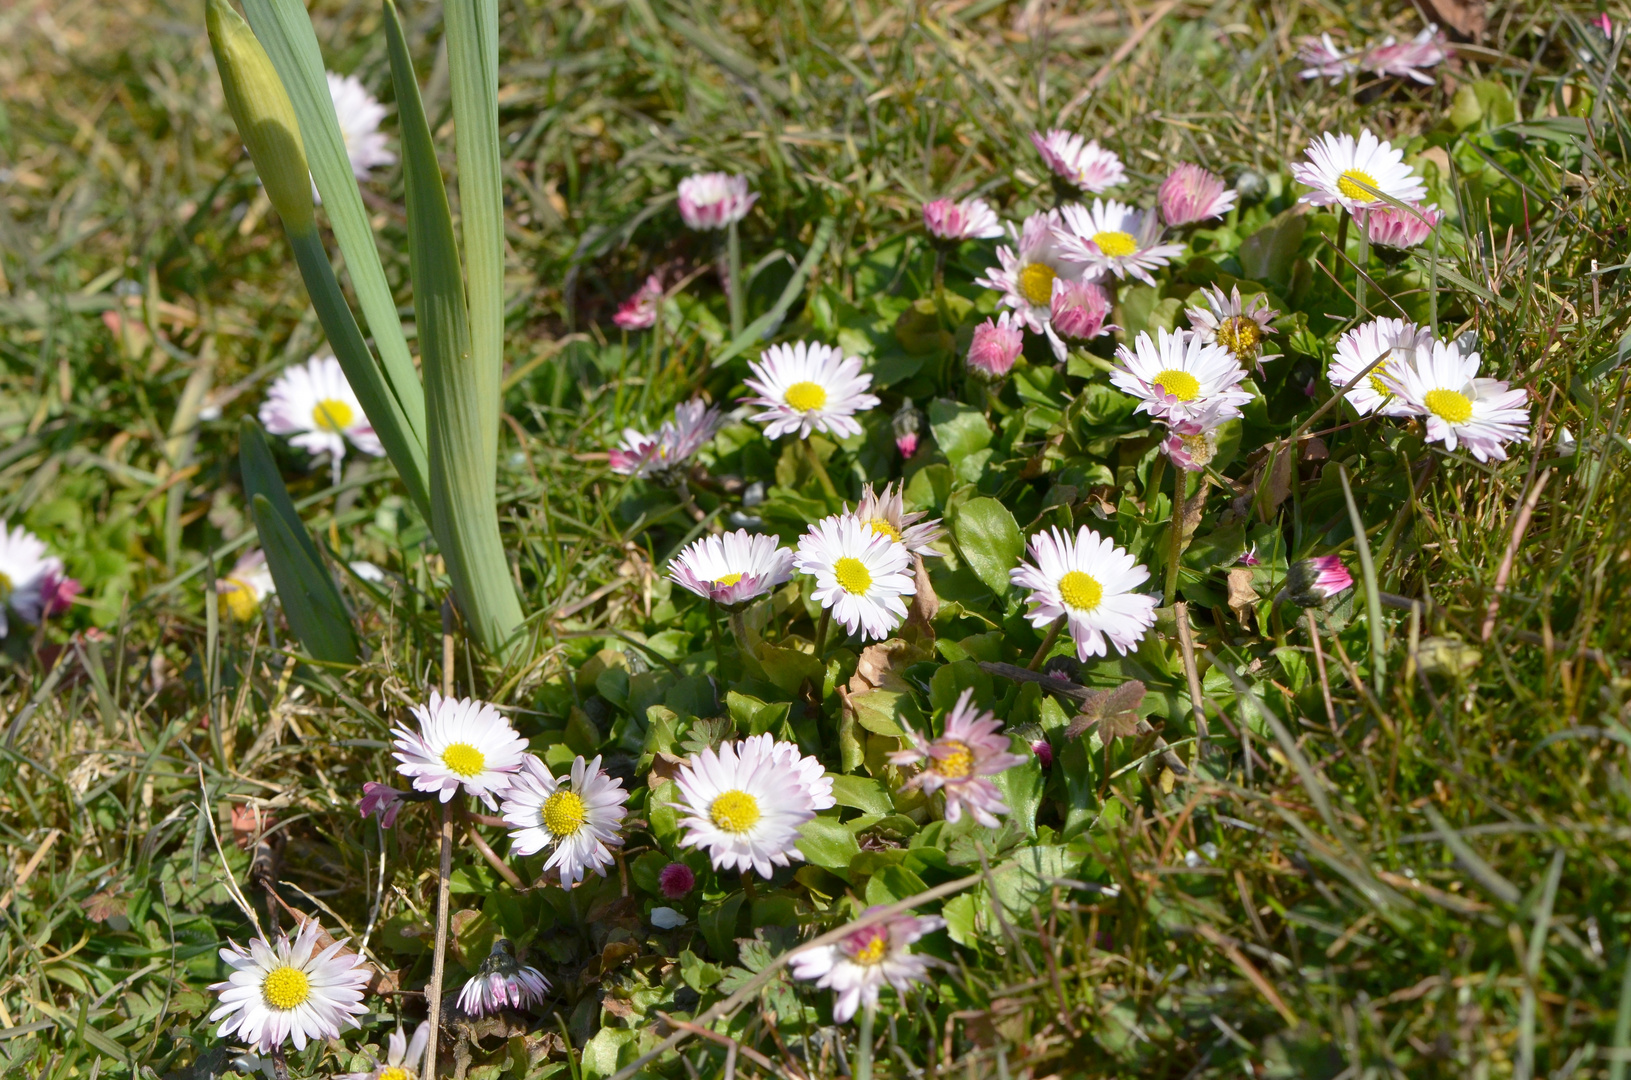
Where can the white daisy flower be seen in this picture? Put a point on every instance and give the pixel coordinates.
(461, 743)
(1114, 238)
(1361, 347)
(1178, 376)
(1084, 164)
(313, 403)
(359, 114)
(734, 568)
(859, 965)
(1026, 273)
(26, 572)
(1442, 386)
(286, 990)
(403, 1057)
(1338, 164)
(885, 514)
(246, 586)
(1238, 327)
(860, 574)
(580, 819)
(502, 981)
(962, 761)
(1090, 581)
(745, 804)
(807, 387)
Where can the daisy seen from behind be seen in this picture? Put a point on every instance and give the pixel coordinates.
(885, 513)
(693, 424)
(806, 387)
(1114, 238)
(744, 804)
(1080, 162)
(403, 1057)
(961, 762)
(1340, 168)
(1390, 341)
(1238, 327)
(858, 966)
(27, 574)
(1089, 581)
(359, 114)
(502, 981)
(971, 219)
(1026, 272)
(732, 569)
(1177, 376)
(314, 405)
(1191, 193)
(578, 817)
(461, 742)
(287, 990)
(714, 200)
(1442, 386)
(861, 575)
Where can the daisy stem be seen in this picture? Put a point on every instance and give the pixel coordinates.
(719, 649)
(733, 257)
(821, 632)
(1363, 270)
(819, 469)
(280, 1064)
(863, 1043)
(739, 630)
(433, 989)
(1180, 495)
(1047, 644)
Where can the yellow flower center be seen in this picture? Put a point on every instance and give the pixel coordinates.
(285, 988)
(1450, 406)
(1117, 245)
(1348, 183)
(465, 760)
(5, 587)
(872, 952)
(956, 765)
(883, 528)
(1199, 448)
(332, 414)
(395, 1072)
(728, 580)
(1239, 335)
(1036, 283)
(806, 396)
(239, 600)
(1080, 591)
(563, 813)
(852, 575)
(1379, 386)
(1180, 384)
(735, 811)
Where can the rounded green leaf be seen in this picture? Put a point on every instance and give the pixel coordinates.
(989, 541)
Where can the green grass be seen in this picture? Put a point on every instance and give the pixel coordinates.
(1429, 879)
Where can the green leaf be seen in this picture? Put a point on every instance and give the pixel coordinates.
(1020, 883)
(765, 326)
(885, 712)
(960, 431)
(893, 884)
(788, 668)
(862, 793)
(826, 843)
(1021, 788)
(261, 477)
(717, 921)
(609, 1051)
(961, 915)
(989, 541)
(305, 591)
(1267, 254)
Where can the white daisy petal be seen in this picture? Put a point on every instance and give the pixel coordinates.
(745, 802)
(1114, 238)
(1178, 377)
(1342, 169)
(857, 967)
(315, 405)
(1442, 386)
(579, 819)
(732, 569)
(1359, 348)
(806, 387)
(26, 571)
(461, 743)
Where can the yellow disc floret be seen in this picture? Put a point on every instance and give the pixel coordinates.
(332, 414)
(872, 952)
(955, 765)
(563, 813)
(394, 1072)
(1239, 335)
(1348, 183)
(1180, 384)
(1036, 283)
(285, 988)
(735, 811)
(852, 574)
(1451, 406)
(463, 759)
(806, 396)
(1080, 591)
(1117, 245)
(238, 598)
(883, 528)
(728, 580)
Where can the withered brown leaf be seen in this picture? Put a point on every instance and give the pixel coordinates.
(1115, 712)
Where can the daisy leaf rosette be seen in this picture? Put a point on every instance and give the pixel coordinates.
(1114, 238)
(1178, 376)
(744, 804)
(461, 742)
(1459, 408)
(961, 762)
(732, 569)
(1345, 171)
(1091, 582)
(286, 990)
(859, 965)
(578, 818)
(861, 575)
(806, 387)
(1391, 341)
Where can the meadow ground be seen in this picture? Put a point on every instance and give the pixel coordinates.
(1400, 847)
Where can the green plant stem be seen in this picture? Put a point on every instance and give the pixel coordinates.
(719, 648)
(821, 632)
(433, 989)
(820, 470)
(863, 1043)
(1047, 644)
(739, 630)
(1362, 268)
(733, 283)
(1180, 496)
(1373, 597)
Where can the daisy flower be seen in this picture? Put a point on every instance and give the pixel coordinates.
(285, 990)
(403, 1057)
(1081, 310)
(1190, 194)
(249, 583)
(1442, 386)
(1406, 59)
(807, 387)
(1179, 376)
(860, 574)
(1089, 581)
(1114, 238)
(714, 200)
(885, 514)
(26, 572)
(641, 455)
(1192, 444)
(639, 311)
(313, 403)
(804, 769)
(961, 762)
(501, 981)
(580, 819)
(995, 346)
(971, 219)
(1325, 60)
(1361, 347)
(857, 966)
(1311, 582)
(1389, 226)
(1237, 327)
(461, 743)
(734, 568)
(744, 804)
(1338, 164)
(1086, 165)
(1025, 274)
(359, 114)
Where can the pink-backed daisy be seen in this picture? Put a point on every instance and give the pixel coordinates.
(693, 424)
(885, 514)
(1238, 327)
(734, 568)
(1025, 274)
(1081, 310)
(961, 762)
(639, 311)
(1311, 582)
(1090, 581)
(857, 966)
(1325, 60)
(1084, 164)
(1114, 238)
(1190, 194)
(1389, 226)
(1389, 340)
(995, 346)
(971, 219)
(1193, 443)
(714, 200)
(1407, 59)
(501, 981)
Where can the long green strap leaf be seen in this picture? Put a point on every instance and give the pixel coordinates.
(305, 591)
(261, 477)
(464, 512)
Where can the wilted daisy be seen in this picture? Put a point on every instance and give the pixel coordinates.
(501, 981)
(1338, 165)
(1442, 386)
(1084, 164)
(885, 514)
(714, 200)
(248, 583)
(961, 762)
(857, 966)
(1114, 238)
(1311, 582)
(639, 311)
(403, 1057)
(1325, 60)
(461, 743)
(1389, 226)
(286, 990)
(1236, 326)
(382, 801)
(971, 219)
(807, 387)
(359, 114)
(1178, 376)
(1090, 581)
(1026, 272)
(1191, 193)
(995, 346)
(579, 818)
(744, 804)
(314, 405)
(694, 423)
(1081, 310)
(1407, 59)
(861, 575)
(1193, 443)
(25, 573)
(734, 568)
(1388, 340)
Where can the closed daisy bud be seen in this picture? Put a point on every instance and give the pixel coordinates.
(995, 347)
(1392, 227)
(966, 220)
(676, 881)
(1081, 310)
(1311, 582)
(906, 423)
(1190, 194)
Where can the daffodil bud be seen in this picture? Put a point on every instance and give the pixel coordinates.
(264, 114)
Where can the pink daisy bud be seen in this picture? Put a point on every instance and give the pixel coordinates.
(1392, 227)
(1079, 309)
(1043, 752)
(971, 219)
(639, 311)
(676, 881)
(380, 800)
(1311, 582)
(907, 444)
(995, 347)
(57, 592)
(906, 423)
(1605, 24)
(1250, 558)
(1190, 194)
(714, 200)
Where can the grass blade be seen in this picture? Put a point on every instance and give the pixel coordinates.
(1373, 596)
(765, 325)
